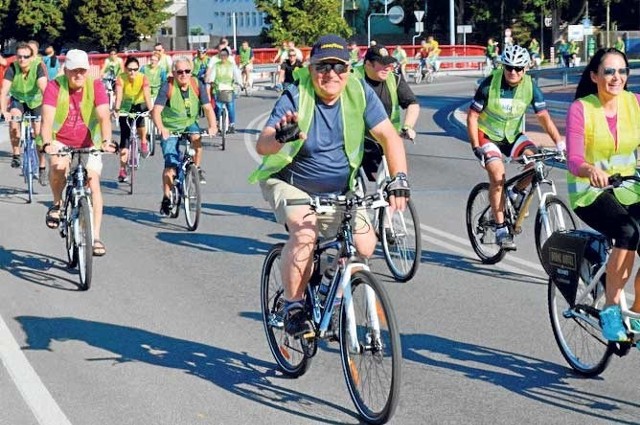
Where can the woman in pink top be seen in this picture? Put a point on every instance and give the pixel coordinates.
(603, 133)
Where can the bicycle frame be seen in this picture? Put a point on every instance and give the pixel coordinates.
(75, 190)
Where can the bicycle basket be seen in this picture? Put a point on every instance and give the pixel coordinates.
(224, 96)
(562, 258)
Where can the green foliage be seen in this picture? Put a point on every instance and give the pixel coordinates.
(302, 21)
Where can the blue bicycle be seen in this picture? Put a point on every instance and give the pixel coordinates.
(186, 185)
(29, 152)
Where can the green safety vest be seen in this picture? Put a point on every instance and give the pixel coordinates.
(154, 75)
(491, 50)
(400, 55)
(392, 87)
(497, 123)
(132, 91)
(26, 90)
(87, 109)
(245, 56)
(181, 113)
(198, 64)
(354, 56)
(619, 45)
(113, 67)
(534, 47)
(224, 76)
(352, 106)
(573, 48)
(600, 150)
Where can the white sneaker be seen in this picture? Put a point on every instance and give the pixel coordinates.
(505, 239)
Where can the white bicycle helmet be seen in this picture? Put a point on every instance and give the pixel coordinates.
(515, 55)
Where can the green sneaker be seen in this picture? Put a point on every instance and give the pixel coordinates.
(635, 324)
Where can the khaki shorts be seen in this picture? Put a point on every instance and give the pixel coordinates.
(91, 162)
(276, 191)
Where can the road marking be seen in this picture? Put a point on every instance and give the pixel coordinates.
(34, 393)
(249, 139)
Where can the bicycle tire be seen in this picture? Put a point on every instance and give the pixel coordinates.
(29, 167)
(71, 248)
(481, 225)
(83, 235)
(363, 360)
(287, 351)
(223, 127)
(401, 241)
(430, 77)
(580, 342)
(417, 76)
(133, 161)
(552, 205)
(151, 137)
(192, 201)
(175, 201)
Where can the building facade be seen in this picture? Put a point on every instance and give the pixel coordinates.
(215, 18)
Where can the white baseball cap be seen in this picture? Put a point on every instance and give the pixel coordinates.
(76, 59)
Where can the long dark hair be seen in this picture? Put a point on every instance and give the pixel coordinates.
(586, 86)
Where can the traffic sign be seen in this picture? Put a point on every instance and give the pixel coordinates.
(464, 29)
(419, 27)
(396, 14)
(419, 14)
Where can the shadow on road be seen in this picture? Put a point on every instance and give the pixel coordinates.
(210, 242)
(40, 269)
(238, 373)
(146, 217)
(533, 378)
(250, 211)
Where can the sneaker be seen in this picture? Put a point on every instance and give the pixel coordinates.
(15, 161)
(165, 206)
(201, 173)
(43, 178)
(144, 150)
(122, 175)
(232, 129)
(612, 326)
(635, 325)
(296, 322)
(505, 239)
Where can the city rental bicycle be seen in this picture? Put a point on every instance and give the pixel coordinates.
(133, 144)
(552, 214)
(76, 215)
(577, 260)
(347, 304)
(30, 161)
(399, 232)
(224, 97)
(185, 189)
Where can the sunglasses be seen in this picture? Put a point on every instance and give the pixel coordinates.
(157, 50)
(338, 67)
(510, 68)
(183, 71)
(610, 72)
(23, 56)
(132, 69)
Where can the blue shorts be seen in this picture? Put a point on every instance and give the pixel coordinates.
(170, 147)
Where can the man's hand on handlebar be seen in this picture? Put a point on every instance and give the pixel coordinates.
(398, 191)
(287, 129)
(109, 146)
(408, 133)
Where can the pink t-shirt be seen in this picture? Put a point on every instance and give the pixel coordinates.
(74, 132)
(575, 134)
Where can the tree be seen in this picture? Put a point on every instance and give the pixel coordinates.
(302, 21)
(42, 20)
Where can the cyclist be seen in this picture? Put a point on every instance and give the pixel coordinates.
(24, 83)
(246, 64)
(133, 94)
(619, 44)
(175, 111)
(156, 75)
(602, 138)
(563, 52)
(491, 52)
(400, 56)
(165, 61)
(574, 49)
(395, 94)
(112, 66)
(51, 62)
(354, 53)
(281, 56)
(494, 124)
(223, 76)
(309, 152)
(534, 51)
(201, 63)
(288, 67)
(88, 124)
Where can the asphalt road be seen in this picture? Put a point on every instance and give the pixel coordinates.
(170, 332)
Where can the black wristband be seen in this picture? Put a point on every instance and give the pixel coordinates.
(44, 146)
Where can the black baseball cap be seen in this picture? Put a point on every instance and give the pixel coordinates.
(330, 46)
(379, 54)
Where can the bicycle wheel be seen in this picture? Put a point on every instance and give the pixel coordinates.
(223, 127)
(481, 226)
(558, 217)
(175, 201)
(133, 161)
(401, 241)
(71, 247)
(417, 76)
(151, 136)
(430, 76)
(83, 238)
(286, 350)
(29, 167)
(370, 349)
(191, 194)
(576, 329)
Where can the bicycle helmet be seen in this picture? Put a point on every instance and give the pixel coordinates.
(515, 55)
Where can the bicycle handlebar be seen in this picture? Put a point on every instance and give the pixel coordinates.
(68, 151)
(543, 155)
(616, 180)
(322, 204)
(25, 117)
(134, 115)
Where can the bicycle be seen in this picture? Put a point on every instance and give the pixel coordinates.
(398, 232)
(109, 81)
(76, 215)
(552, 214)
(133, 144)
(30, 159)
(576, 295)
(426, 72)
(350, 307)
(185, 189)
(224, 97)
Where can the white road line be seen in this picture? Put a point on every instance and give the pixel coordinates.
(33, 391)
(249, 139)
